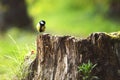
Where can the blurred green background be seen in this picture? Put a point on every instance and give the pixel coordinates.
(78, 17)
(18, 19)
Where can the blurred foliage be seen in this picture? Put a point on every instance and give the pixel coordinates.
(78, 17)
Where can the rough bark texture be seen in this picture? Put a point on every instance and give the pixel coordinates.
(58, 57)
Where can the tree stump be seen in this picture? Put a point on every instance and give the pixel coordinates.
(58, 57)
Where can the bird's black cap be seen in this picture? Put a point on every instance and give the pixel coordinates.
(42, 23)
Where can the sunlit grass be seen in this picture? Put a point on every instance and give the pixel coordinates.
(14, 46)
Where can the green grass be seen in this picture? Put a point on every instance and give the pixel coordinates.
(13, 51)
(86, 70)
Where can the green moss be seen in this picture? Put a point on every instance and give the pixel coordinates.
(114, 35)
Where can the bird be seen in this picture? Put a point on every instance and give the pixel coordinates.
(41, 26)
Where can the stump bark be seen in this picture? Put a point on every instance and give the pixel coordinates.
(58, 57)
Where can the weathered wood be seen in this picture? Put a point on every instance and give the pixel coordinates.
(58, 57)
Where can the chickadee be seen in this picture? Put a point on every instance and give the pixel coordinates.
(41, 26)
